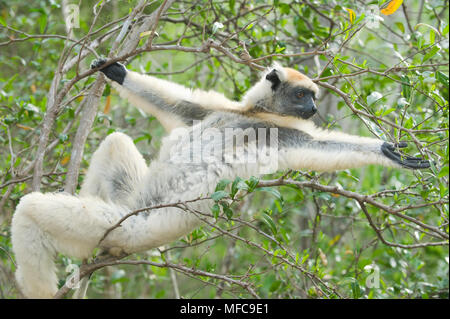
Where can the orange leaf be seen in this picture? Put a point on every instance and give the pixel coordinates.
(65, 160)
(107, 105)
(391, 7)
(351, 14)
(24, 127)
(33, 88)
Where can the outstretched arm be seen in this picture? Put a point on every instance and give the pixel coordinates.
(172, 104)
(329, 151)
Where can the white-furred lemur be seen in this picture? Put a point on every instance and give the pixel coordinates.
(118, 180)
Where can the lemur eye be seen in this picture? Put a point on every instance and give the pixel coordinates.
(300, 95)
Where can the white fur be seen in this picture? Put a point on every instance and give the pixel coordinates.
(326, 161)
(44, 224)
(316, 132)
(174, 92)
(168, 122)
(171, 93)
(116, 152)
(262, 89)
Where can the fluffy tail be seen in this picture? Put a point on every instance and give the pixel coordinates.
(36, 272)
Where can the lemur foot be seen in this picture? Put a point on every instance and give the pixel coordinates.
(115, 71)
(390, 152)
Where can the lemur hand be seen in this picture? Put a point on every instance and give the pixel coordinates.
(390, 152)
(114, 71)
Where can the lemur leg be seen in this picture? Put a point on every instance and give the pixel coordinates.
(44, 224)
(116, 169)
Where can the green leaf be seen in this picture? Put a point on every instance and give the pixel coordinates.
(99, 4)
(406, 89)
(238, 184)
(42, 22)
(442, 77)
(216, 196)
(443, 172)
(431, 53)
(388, 111)
(222, 184)
(374, 97)
(445, 30)
(107, 90)
(427, 26)
(63, 137)
(271, 191)
(400, 26)
(360, 18)
(231, 4)
(285, 8)
(356, 289)
(227, 210)
(215, 210)
(275, 285)
(252, 183)
(432, 36)
(269, 222)
(304, 258)
(278, 205)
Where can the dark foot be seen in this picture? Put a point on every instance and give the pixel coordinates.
(390, 151)
(114, 71)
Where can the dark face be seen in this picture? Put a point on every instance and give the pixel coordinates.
(299, 102)
(290, 99)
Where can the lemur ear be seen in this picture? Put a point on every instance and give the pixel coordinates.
(274, 79)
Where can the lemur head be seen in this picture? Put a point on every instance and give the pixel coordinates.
(283, 91)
